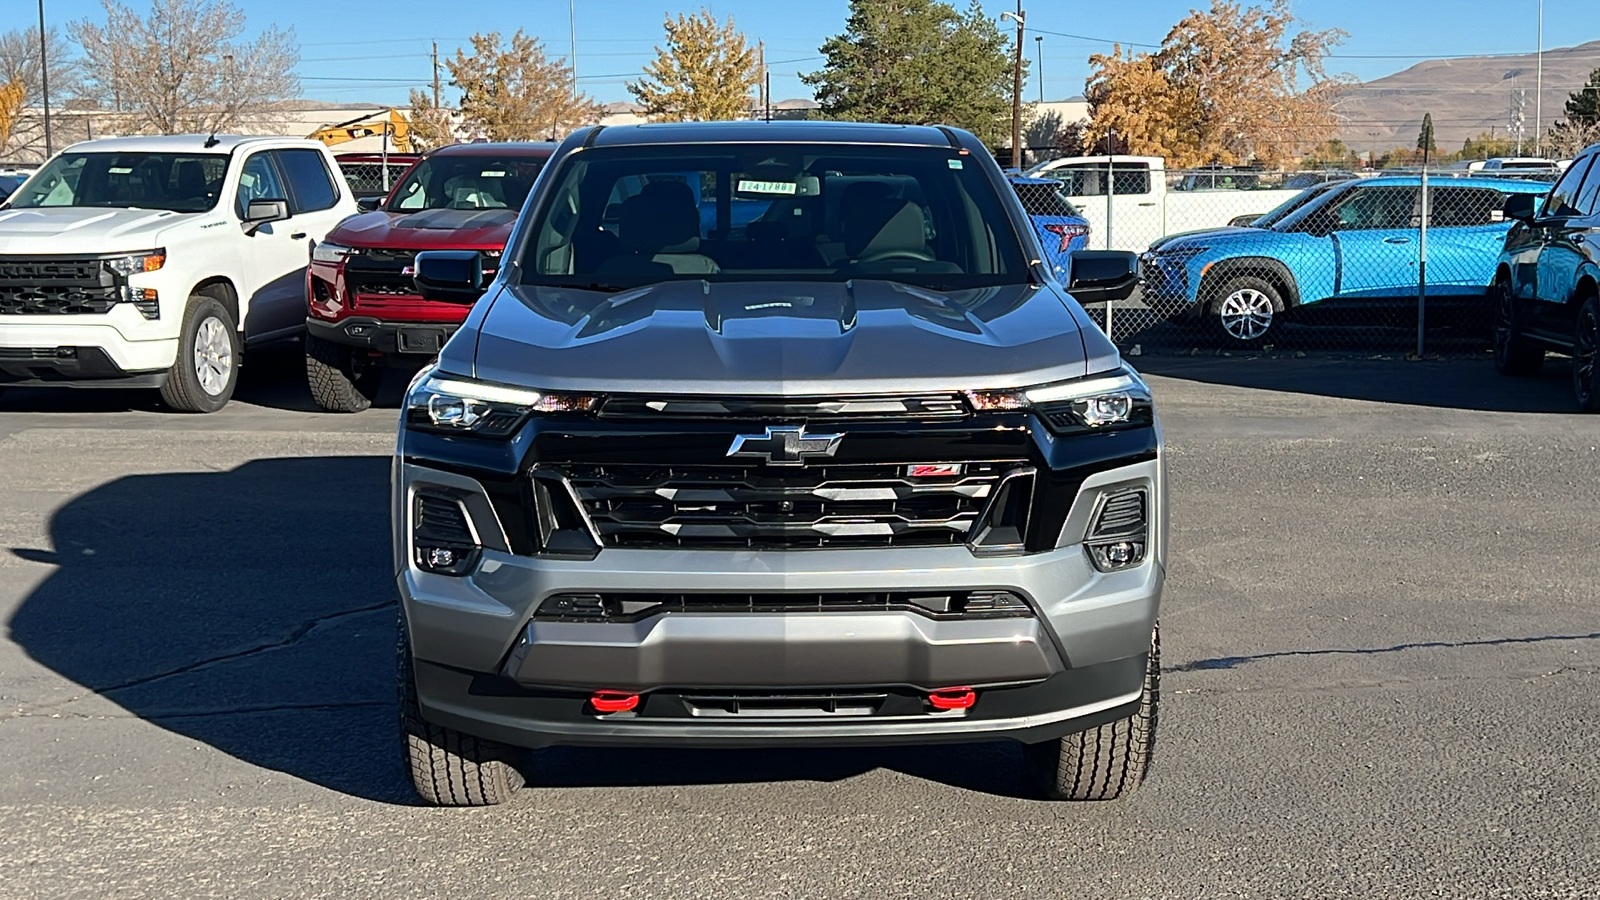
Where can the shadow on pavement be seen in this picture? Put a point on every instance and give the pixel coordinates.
(1452, 384)
(273, 375)
(253, 610)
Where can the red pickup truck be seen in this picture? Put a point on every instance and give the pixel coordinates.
(365, 312)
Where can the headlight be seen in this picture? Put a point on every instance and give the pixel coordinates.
(456, 405)
(1104, 402)
(135, 263)
(329, 252)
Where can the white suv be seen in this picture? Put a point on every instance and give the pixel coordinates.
(151, 261)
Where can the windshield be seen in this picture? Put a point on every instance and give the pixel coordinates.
(629, 216)
(467, 182)
(180, 182)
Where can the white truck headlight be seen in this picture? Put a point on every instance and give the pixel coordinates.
(135, 263)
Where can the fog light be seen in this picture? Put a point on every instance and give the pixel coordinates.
(441, 557)
(1115, 555)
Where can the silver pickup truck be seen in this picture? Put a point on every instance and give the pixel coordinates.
(776, 434)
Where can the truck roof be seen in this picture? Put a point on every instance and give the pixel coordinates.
(190, 143)
(534, 149)
(775, 132)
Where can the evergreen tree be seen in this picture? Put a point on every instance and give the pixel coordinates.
(918, 62)
(1583, 104)
(1425, 136)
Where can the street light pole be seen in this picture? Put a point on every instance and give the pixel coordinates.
(1038, 45)
(44, 82)
(1016, 90)
(1538, 88)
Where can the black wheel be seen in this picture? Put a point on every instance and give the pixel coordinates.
(1102, 763)
(1513, 353)
(340, 380)
(206, 371)
(448, 767)
(1245, 312)
(1585, 348)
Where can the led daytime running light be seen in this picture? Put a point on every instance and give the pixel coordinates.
(1078, 390)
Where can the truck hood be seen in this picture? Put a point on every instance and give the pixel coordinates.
(762, 338)
(81, 229)
(428, 229)
(1202, 235)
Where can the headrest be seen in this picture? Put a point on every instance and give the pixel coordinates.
(661, 218)
(884, 225)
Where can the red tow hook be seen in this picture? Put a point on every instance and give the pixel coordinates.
(613, 701)
(952, 698)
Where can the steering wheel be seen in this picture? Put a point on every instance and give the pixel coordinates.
(901, 253)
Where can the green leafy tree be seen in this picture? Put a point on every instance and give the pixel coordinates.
(704, 74)
(1486, 146)
(918, 62)
(1425, 136)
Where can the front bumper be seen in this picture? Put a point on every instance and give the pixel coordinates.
(419, 339)
(485, 665)
(67, 351)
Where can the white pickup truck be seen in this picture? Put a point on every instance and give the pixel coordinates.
(1140, 207)
(150, 262)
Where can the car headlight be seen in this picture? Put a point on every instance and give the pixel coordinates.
(1104, 402)
(135, 263)
(456, 405)
(330, 252)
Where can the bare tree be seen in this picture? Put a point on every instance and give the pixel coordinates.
(19, 65)
(184, 68)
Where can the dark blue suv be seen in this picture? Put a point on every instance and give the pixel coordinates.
(1545, 284)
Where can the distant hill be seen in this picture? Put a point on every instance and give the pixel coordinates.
(1466, 97)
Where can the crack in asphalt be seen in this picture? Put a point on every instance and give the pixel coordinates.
(299, 632)
(1229, 662)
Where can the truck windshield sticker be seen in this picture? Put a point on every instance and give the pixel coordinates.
(955, 163)
(493, 173)
(766, 187)
(120, 170)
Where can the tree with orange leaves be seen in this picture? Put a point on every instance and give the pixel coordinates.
(1227, 86)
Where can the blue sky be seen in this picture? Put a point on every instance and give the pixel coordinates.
(359, 51)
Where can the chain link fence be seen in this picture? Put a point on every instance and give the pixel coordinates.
(372, 176)
(1239, 260)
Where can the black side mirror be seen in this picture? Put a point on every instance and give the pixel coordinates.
(1520, 207)
(452, 276)
(1098, 276)
(369, 204)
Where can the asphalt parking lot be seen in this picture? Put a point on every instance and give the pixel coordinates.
(1381, 647)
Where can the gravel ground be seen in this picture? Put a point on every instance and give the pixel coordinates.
(1379, 630)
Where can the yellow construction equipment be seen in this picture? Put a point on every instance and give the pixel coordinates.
(388, 122)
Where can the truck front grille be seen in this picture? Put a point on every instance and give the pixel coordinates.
(379, 272)
(877, 505)
(42, 285)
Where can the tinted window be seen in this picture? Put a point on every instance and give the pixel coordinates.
(1089, 179)
(258, 180)
(1368, 209)
(467, 182)
(1563, 198)
(309, 179)
(626, 216)
(180, 182)
(1282, 210)
(1586, 197)
(1454, 207)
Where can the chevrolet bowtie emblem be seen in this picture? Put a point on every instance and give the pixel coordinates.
(785, 445)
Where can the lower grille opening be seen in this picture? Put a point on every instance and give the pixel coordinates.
(785, 706)
(632, 607)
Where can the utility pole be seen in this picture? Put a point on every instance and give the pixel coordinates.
(1038, 45)
(572, 25)
(436, 75)
(1016, 89)
(44, 82)
(762, 100)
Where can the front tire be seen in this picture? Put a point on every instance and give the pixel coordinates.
(1586, 357)
(1246, 312)
(1514, 355)
(1103, 763)
(339, 380)
(206, 371)
(449, 767)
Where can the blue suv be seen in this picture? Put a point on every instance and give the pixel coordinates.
(1348, 244)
